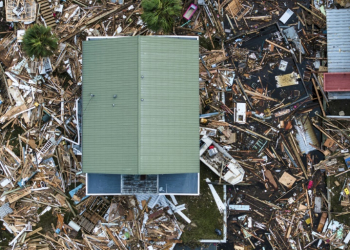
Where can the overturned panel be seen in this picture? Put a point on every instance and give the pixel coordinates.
(287, 80)
(292, 34)
(305, 134)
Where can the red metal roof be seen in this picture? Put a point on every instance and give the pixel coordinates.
(337, 82)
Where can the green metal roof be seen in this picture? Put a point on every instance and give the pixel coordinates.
(153, 126)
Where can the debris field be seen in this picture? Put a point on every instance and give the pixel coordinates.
(270, 130)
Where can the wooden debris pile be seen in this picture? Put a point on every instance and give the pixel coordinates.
(264, 128)
(263, 103)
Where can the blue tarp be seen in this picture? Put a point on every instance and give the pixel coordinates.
(75, 190)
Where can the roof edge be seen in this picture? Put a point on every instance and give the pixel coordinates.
(109, 37)
(138, 105)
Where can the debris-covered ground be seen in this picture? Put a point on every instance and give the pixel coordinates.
(269, 141)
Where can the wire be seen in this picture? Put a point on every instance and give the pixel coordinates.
(92, 95)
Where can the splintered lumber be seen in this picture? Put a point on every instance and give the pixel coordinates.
(143, 202)
(278, 46)
(115, 240)
(110, 234)
(258, 17)
(290, 227)
(248, 131)
(12, 112)
(34, 232)
(318, 97)
(87, 241)
(234, 7)
(342, 173)
(244, 93)
(167, 246)
(328, 135)
(313, 13)
(144, 207)
(2, 74)
(271, 179)
(167, 228)
(157, 239)
(308, 205)
(16, 196)
(47, 237)
(157, 213)
(265, 202)
(229, 20)
(94, 19)
(260, 95)
(13, 154)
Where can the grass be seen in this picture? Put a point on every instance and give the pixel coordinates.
(206, 43)
(203, 212)
(336, 207)
(5, 236)
(45, 221)
(12, 135)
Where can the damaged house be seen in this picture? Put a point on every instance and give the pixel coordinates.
(20, 11)
(140, 115)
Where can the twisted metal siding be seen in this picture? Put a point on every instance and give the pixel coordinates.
(338, 40)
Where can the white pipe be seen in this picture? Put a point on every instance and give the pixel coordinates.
(14, 241)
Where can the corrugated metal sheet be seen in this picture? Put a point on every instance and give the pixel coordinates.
(169, 112)
(110, 134)
(338, 37)
(158, 135)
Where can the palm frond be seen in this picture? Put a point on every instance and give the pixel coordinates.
(160, 14)
(39, 42)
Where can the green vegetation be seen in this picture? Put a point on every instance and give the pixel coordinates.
(335, 203)
(206, 43)
(39, 42)
(203, 212)
(13, 138)
(46, 220)
(160, 14)
(5, 236)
